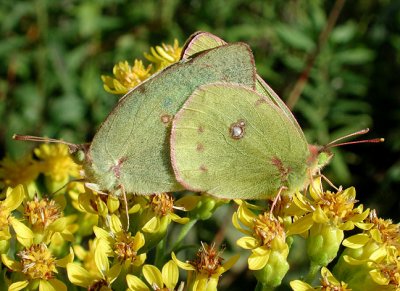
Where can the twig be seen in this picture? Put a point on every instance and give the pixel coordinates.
(323, 37)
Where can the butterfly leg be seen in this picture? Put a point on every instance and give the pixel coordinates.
(126, 205)
(277, 198)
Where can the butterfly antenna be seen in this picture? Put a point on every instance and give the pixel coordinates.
(335, 143)
(44, 139)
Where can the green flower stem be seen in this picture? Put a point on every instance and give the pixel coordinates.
(314, 270)
(263, 287)
(184, 231)
(160, 252)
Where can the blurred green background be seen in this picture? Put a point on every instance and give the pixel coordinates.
(52, 54)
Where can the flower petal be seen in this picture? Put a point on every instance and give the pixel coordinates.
(248, 242)
(152, 226)
(14, 198)
(301, 225)
(257, 262)
(101, 260)
(52, 285)
(229, 263)
(319, 215)
(182, 265)
(66, 260)
(298, 285)
(113, 273)
(78, 275)
(176, 218)
(170, 274)
(356, 241)
(153, 276)
(187, 202)
(18, 285)
(134, 283)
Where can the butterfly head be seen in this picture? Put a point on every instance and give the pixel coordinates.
(79, 152)
(319, 157)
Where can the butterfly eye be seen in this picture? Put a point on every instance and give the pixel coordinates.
(236, 129)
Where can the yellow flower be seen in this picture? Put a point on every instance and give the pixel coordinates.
(371, 258)
(161, 207)
(46, 219)
(14, 198)
(165, 55)
(57, 165)
(23, 171)
(164, 280)
(103, 277)
(157, 213)
(324, 220)
(119, 244)
(205, 270)
(328, 282)
(336, 209)
(95, 203)
(38, 267)
(126, 77)
(266, 238)
(385, 267)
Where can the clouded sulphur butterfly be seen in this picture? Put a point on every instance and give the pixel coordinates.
(232, 141)
(131, 148)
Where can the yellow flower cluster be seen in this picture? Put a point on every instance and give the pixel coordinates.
(126, 77)
(33, 213)
(52, 220)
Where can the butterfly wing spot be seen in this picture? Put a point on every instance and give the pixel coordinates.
(200, 129)
(260, 101)
(203, 169)
(166, 118)
(237, 129)
(283, 171)
(141, 89)
(117, 167)
(200, 147)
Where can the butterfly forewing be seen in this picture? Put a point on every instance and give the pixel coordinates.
(201, 41)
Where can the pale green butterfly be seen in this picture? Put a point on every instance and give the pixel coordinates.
(236, 142)
(130, 151)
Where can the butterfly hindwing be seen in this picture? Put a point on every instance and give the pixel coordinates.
(232, 142)
(131, 148)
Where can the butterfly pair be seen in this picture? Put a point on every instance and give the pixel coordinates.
(207, 123)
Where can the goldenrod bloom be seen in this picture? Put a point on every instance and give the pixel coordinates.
(157, 213)
(325, 218)
(22, 171)
(119, 244)
(57, 165)
(126, 77)
(328, 282)
(45, 218)
(266, 238)
(14, 198)
(164, 55)
(206, 268)
(38, 268)
(371, 259)
(101, 279)
(167, 279)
